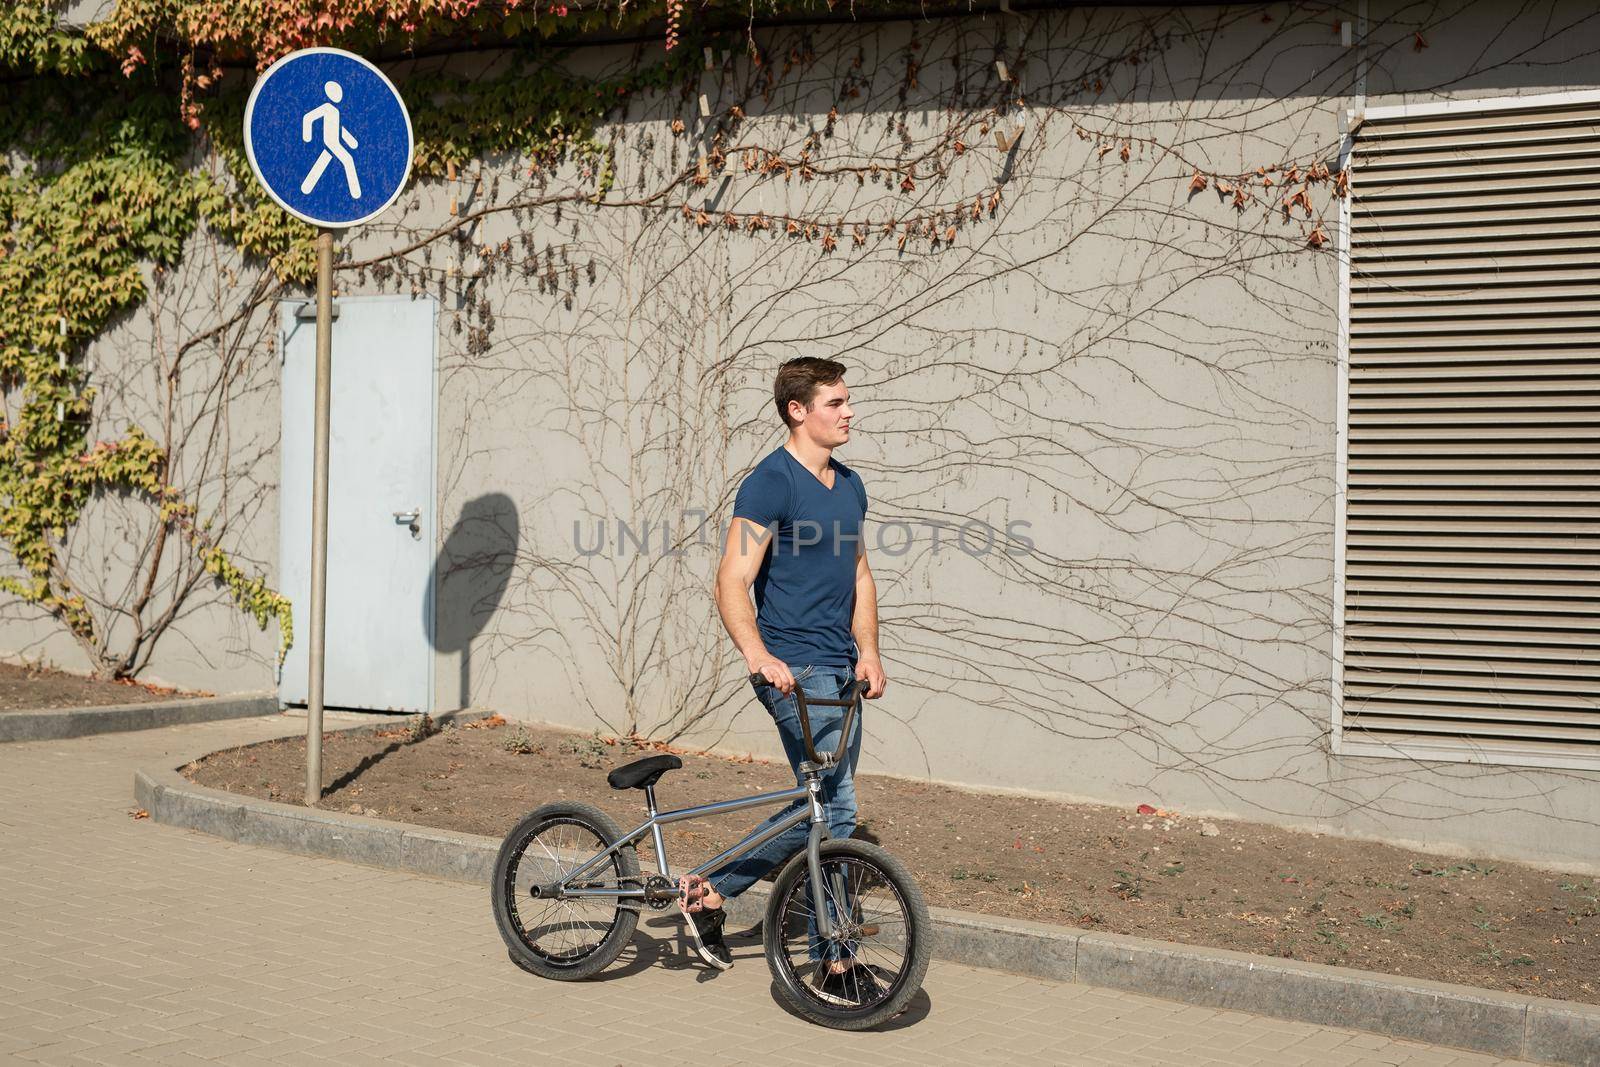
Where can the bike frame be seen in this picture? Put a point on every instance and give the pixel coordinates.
(658, 819)
(811, 771)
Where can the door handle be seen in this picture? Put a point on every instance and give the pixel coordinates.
(410, 519)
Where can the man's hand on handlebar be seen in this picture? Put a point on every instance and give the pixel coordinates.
(775, 672)
(871, 671)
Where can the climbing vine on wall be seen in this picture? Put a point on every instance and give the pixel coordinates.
(127, 139)
(111, 179)
(103, 191)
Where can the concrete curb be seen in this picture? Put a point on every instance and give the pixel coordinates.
(1480, 1020)
(54, 724)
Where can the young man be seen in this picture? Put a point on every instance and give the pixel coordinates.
(814, 623)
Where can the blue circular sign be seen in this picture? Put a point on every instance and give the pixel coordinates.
(328, 136)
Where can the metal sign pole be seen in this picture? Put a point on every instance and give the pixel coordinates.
(319, 518)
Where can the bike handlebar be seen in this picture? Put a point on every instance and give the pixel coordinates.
(857, 689)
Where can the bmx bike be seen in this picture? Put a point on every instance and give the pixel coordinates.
(567, 890)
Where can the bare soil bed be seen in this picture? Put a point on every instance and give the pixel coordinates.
(1250, 888)
(34, 688)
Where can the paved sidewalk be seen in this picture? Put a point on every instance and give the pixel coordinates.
(126, 942)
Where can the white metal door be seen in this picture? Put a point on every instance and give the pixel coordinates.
(380, 471)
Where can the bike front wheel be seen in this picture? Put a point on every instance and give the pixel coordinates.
(563, 938)
(875, 964)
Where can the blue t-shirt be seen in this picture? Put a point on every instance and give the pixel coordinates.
(806, 588)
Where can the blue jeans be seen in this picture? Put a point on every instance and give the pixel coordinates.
(838, 785)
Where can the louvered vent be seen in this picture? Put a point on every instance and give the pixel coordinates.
(1472, 544)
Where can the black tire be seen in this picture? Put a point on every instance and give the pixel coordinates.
(886, 902)
(586, 935)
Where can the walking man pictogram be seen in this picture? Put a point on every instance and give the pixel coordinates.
(333, 132)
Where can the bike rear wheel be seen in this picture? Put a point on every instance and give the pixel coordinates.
(571, 938)
(883, 926)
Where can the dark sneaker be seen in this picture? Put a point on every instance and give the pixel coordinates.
(854, 986)
(705, 930)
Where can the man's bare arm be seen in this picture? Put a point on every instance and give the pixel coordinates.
(864, 626)
(741, 561)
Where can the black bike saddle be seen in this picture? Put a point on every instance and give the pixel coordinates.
(642, 772)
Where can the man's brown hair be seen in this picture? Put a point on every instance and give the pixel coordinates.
(798, 379)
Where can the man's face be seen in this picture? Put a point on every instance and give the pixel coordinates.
(828, 422)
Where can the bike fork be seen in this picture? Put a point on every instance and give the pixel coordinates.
(819, 833)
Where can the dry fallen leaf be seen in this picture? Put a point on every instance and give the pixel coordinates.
(139, 813)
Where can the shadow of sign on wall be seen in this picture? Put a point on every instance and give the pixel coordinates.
(470, 576)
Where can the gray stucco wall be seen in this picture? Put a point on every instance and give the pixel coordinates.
(1146, 378)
